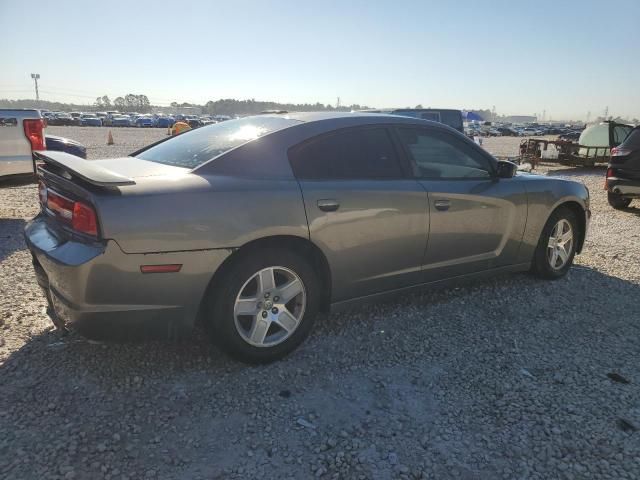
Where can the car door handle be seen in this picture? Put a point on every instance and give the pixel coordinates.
(328, 205)
(442, 204)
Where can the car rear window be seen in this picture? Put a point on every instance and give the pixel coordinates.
(198, 146)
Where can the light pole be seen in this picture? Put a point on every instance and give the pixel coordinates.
(35, 77)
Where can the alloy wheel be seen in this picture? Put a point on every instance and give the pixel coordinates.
(270, 306)
(560, 244)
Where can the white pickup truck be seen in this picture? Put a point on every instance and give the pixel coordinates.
(21, 133)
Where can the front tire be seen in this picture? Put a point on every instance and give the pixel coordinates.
(557, 245)
(618, 201)
(265, 305)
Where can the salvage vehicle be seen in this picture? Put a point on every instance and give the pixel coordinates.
(90, 120)
(252, 226)
(623, 174)
(21, 132)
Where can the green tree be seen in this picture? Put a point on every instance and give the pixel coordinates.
(119, 103)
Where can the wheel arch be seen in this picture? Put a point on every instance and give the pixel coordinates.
(300, 245)
(579, 211)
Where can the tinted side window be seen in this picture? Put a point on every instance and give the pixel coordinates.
(435, 154)
(633, 140)
(350, 154)
(620, 134)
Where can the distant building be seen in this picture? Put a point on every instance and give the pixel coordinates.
(521, 119)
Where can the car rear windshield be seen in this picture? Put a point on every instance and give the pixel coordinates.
(198, 146)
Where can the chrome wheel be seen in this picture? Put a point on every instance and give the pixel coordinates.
(270, 306)
(560, 244)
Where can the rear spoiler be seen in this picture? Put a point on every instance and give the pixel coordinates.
(86, 170)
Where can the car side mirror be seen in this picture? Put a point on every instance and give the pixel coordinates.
(506, 169)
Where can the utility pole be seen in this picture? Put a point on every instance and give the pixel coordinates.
(35, 77)
(338, 104)
(606, 112)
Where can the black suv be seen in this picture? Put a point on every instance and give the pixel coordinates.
(623, 175)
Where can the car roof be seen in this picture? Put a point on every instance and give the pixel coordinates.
(352, 118)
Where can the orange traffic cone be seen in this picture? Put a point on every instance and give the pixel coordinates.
(110, 139)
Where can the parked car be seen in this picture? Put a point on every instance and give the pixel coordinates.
(508, 131)
(21, 133)
(144, 121)
(623, 174)
(62, 144)
(90, 120)
(108, 120)
(530, 132)
(61, 119)
(195, 122)
(120, 121)
(254, 225)
(76, 117)
(570, 136)
(165, 122)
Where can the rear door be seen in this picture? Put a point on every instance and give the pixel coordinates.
(365, 213)
(476, 219)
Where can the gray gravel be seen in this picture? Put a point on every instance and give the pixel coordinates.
(506, 378)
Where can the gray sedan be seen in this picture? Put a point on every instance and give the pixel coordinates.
(252, 226)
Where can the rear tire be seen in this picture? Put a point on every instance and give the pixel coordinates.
(273, 325)
(557, 245)
(618, 201)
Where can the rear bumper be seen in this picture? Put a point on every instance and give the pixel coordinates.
(98, 290)
(624, 187)
(20, 165)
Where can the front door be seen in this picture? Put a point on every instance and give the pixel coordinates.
(370, 221)
(476, 219)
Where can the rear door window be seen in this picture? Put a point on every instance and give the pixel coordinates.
(365, 153)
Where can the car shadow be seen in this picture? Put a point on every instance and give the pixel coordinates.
(111, 361)
(597, 171)
(155, 390)
(11, 239)
(17, 180)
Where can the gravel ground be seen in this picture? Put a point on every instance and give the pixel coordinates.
(510, 378)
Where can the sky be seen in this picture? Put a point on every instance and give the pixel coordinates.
(566, 58)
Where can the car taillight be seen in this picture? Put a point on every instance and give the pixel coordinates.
(34, 131)
(84, 219)
(79, 215)
(619, 152)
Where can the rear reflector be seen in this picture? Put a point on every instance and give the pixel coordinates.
(169, 268)
(34, 131)
(606, 178)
